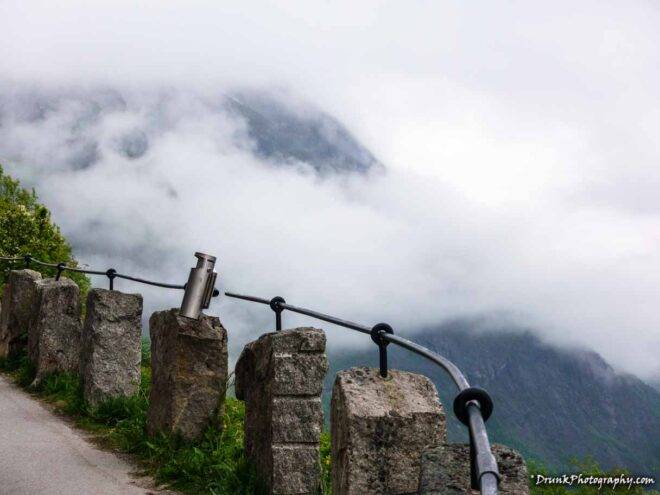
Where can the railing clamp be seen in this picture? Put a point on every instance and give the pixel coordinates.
(216, 292)
(27, 258)
(60, 269)
(111, 273)
(469, 394)
(199, 289)
(377, 336)
(276, 305)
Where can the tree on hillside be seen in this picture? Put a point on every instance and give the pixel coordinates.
(26, 228)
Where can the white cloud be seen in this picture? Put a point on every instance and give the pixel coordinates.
(520, 141)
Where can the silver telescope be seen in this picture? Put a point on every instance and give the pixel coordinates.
(200, 286)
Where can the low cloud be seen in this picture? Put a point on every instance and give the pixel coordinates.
(521, 173)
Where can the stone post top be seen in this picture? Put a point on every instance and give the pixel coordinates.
(112, 295)
(291, 359)
(25, 273)
(367, 394)
(302, 339)
(63, 282)
(170, 319)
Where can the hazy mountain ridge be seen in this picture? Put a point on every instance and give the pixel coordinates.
(284, 132)
(287, 134)
(550, 403)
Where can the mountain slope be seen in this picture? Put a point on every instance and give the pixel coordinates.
(288, 133)
(81, 128)
(551, 404)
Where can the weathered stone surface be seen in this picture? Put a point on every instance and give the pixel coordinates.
(295, 469)
(301, 372)
(380, 427)
(296, 419)
(446, 471)
(189, 373)
(17, 307)
(280, 378)
(111, 345)
(55, 327)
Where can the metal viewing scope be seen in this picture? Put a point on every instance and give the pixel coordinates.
(200, 287)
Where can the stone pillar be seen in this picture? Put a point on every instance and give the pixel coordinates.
(280, 378)
(188, 372)
(111, 345)
(380, 427)
(54, 332)
(17, 307)
(446, 471)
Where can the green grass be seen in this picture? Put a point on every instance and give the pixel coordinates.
(216, 464)
(326, 472)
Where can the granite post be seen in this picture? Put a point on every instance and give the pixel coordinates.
(55, 327)
(380, 427)
(280, 378)
(189, 373)
(17, 308)
(111, 345)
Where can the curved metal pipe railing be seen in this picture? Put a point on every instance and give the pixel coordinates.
(473, 406)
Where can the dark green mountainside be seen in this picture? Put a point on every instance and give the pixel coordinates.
(551, 404)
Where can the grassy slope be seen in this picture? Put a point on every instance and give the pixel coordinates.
(216, 464)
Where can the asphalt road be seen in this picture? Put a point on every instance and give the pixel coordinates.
(41, 454)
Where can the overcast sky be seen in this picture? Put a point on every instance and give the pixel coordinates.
(520, 141)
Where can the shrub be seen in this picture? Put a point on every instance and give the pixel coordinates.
(26, 227)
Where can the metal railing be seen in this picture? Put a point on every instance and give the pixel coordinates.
(198, 290)
(472, 406)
